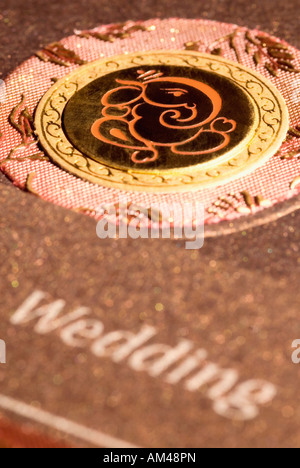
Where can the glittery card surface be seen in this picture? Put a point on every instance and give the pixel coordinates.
(233, 305)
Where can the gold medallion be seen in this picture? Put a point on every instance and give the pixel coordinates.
(162, 121)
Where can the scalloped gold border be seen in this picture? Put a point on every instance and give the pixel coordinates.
(269, 129)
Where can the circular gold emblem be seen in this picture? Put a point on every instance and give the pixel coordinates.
(161, 121)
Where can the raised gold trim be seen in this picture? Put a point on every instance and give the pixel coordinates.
(269, 130)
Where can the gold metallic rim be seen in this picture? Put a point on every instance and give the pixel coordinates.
(269, 130)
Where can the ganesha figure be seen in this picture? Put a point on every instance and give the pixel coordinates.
(179, 113)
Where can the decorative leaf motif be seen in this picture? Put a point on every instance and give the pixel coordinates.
(22, 121)
(276, 54)
(294, 132)
(113, 32)
(57, 53)
(242, 203)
